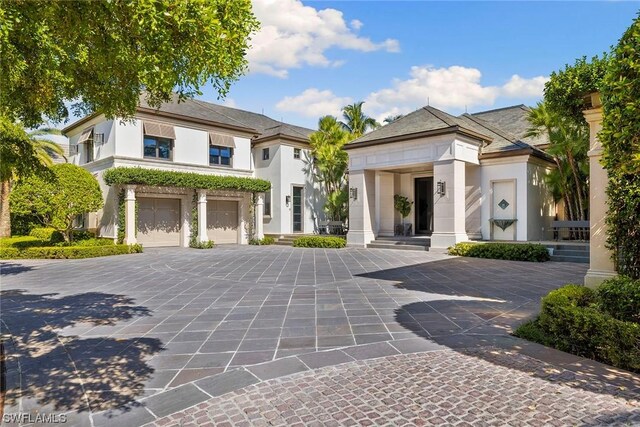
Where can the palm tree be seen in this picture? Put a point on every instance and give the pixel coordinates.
(568, 146)
(330, 164)
(22, 154)
(355, 121)
(392, 118)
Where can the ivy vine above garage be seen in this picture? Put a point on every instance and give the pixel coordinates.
(161, 178)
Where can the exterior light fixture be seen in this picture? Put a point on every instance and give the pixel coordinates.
(287, 200)
(353, 193)
(441, 188)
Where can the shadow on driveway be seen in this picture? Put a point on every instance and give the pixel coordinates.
(67, 373)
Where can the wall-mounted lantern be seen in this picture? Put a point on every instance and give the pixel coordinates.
(353, 193)
(287, 200)
(441, 188)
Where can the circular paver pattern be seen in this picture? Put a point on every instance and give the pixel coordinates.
(433, 388)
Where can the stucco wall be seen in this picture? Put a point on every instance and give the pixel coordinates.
(540, 203)
(473, 201)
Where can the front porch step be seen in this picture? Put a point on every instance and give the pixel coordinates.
(564, 258)
(404, 247)
(401, 243)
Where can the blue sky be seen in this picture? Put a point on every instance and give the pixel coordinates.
(312, 57)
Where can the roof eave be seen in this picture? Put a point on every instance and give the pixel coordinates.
(428, 133)
(280, 136)
(518, 152)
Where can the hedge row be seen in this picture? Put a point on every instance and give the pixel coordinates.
(266, 240)
(160, 178)
(67, 252)
(319, 242)
(572, 320)
(508, 251)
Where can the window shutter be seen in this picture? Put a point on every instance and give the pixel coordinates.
(86, 135)
(221, 140)
(159, 130)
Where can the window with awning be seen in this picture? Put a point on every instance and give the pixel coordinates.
(159, 130)
(221, 140)
(220, 149)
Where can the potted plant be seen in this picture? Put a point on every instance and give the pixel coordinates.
(403, 205)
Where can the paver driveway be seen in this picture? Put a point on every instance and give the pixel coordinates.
(129, 339)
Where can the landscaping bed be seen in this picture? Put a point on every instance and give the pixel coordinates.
(49, 244)
(601, 324)
(320, 242)
(507, 251)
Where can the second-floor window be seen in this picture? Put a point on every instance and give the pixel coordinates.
(296, 153)
(86, 140)
(220, 155)
(158, 141)
(265, 154)
(159, 148)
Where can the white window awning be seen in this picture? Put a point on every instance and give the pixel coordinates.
(159, 130)
(221, 140)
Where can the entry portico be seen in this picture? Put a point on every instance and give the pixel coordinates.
(443, 165)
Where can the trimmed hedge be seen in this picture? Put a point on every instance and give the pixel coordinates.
(201, 245)
(44, 233)
(266, 240)
(508, 251)
(22, 242)
(160, 178)
(571, 320)
(68, 252)
(319, 242)
(619, 297)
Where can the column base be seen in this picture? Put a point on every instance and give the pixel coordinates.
(359, 238)
(594, 277)
(444, 240)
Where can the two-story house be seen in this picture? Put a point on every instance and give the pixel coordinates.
(203, 138)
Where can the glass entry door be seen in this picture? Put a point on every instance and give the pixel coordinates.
(297, 209)
(424, 205)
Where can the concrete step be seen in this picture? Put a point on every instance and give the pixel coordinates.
(571, 252)
(561, 247)
(404, 247)
(563, 258)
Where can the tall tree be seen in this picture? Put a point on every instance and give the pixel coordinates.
(330, 164)
(355, 121)
(568, 145)
(22, 155)
(103, 54)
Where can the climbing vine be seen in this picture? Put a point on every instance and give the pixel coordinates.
(122, 219)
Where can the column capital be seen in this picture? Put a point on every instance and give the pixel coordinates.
(130, 192)
(202, 195)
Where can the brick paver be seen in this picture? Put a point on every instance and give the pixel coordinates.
(434, 388)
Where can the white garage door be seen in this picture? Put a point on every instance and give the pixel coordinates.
(158, 222)
(222, 221)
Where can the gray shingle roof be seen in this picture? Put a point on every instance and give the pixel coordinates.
(505, 128)
(265, 126)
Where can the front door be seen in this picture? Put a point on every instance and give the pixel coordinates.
(297, 209)
(424, 205)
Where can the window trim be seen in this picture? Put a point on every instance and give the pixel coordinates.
(157, 157)
(267, 194)
(221, 147)
(266, 154)
(89, 152)
(297, 153)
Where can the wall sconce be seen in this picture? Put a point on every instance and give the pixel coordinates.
(353, 193)
(287, 200)
(441, 188)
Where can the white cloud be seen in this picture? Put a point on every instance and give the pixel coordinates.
(314, 103)
(293, 35)
(230, 102)
(452, 88)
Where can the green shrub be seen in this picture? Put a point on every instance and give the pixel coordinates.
(160, 178)
(100, 241)
(202, 245)
(620, 298)
(319, 242)
(571, 320)
(9, 253)
(22, 242)
(507, 251)
(76, 252)
(266, 240)
(47, 233)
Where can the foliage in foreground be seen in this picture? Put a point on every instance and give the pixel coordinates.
(319, 242)
(104, 54)
(202, 245)
(72, 191)
(620, 137)
(507, 251)
(579, 320)
(160, 178)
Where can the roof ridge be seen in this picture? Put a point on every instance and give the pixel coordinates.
(208, 105)
(521, 106)
(498, 131)
(439, 116)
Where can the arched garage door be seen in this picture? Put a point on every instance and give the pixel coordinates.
(158, 222)
(222, 221)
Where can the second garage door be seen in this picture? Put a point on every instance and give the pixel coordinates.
(158, 222)
(222, 221)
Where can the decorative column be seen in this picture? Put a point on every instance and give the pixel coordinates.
(259, 216)
(130, 214)
(449, 215)
(202, 216)
(601, 265)
(361, 207)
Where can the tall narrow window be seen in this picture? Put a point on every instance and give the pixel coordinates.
(86, 138)
(296, 153)
(267, 203)
(265, 153)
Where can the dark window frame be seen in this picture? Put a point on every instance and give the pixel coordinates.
(265, 153)
(297, 153)
(267, 203)
(157, 148)
(89, 155)
(220, 148)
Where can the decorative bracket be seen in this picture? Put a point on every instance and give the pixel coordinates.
(503, 224)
